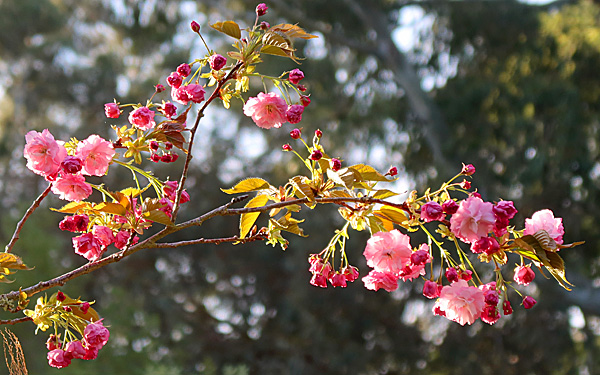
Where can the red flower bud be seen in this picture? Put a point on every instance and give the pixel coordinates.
(286, 147)
(195, 26)
(295, 134)
(468, 169)
(261, 9)
(318, 133)
(335, 164)
(529, 302)
(316, 155)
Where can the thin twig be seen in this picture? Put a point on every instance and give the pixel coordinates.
(200, 114)
(12, 322)
(216, 241)
(28, 213)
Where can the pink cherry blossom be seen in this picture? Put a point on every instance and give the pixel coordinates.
(529, 302)
(190, 93)
(71, 187)
(88, 246)
(111, 110)
(338, 279)
(75, 349)
(524, 275)
(91, 352)
(296, 76)
(388, 251)
(103, 234)
(58, 358)
(266, 110)
(217, 62)
(142, 118)
(381, 280)
(122, 238)
(490, 314)
(294, 113)
(96, 335)
(461, 303)
(96, 154)
(43, 153)
(170, 191)
(432, 211)
(545, 220)
(431, 289)
(473, 220)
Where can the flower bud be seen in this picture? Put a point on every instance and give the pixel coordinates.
(286, 147)
(153, 145)
(111, 110)
(60, 296)
(84, 307)
(431, 289)
(169, 109)
(264, 25)
(351, 273)
(301, 88)
(491, 297)
(294, 113)
(507, 308)
(71, 164)
(184, 69)
(217, 62)
(296, 76)
(468, 169)
(295, 134)
(337, 279)
(450, 207)
(316, 155)
(465, 184)
(419, 257)
(529, 302)
(392, 171)
(451, 274)
(524, 275)
(432, 211)
(175, 80)
(261, 9)
(155, 158)
(305, 100)
(195, 26)
(318, 133)
(335, 164)
(168, 145)
(159, 88)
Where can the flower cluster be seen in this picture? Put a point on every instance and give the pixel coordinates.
(65, 165)
(61, 354)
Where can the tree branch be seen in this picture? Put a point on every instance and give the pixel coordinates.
(28, 213)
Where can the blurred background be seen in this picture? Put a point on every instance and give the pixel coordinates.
(509, 86)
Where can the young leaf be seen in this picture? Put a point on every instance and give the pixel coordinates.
(247, 185)
(383, 193)
(158, 216)
(368, 173)
(302, 189)
(247, 220)
(111, 208)
(228, 27)
(73, 207)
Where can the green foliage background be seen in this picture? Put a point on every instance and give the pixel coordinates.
(516, 93)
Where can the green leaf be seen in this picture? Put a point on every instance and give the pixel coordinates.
(247, 185)
(368, 173)
(247, 220)
(228, 27)
(383, 193)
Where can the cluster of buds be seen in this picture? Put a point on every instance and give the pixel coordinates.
(166, 157)
(322, 271)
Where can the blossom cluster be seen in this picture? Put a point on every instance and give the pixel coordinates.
(60, 354)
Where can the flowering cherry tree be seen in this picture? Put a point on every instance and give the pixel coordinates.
(461, 265)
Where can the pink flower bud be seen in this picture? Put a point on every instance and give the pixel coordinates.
(488, 244)
(338, 279)
(419, 257)
(154, 145)
(112, 110)
(491, 297)
(468, 169)
(431, 289)
(294, 113)
(302, 88)
(184, 70)
(392, 171)
(432, 211)
(175, 80)
(465, 184)
(524, 275)
(351, 273)
(305, 100)
(318, 133)
(195, 26)
(451, 274)
(169, 109)
(58, 358)
(84, 307)
(264, 25)
(507, 309)
(53, 342)
(286, 147)
(71, 164)
(529, 302)
(335, 164)
(155, 158)
(159, 88)
(217, 62)
(168, 145)
(96, 335)
(60, 296)
(261, 9)
(295, 134)
(490, 314)
(465, 275)
(318, 280)
(296, 76)
(450, 207)
(316, 155)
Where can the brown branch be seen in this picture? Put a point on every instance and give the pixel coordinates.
(200, 114)
(12, 322)
(216, 241)
(28, 213)
(151, 242)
